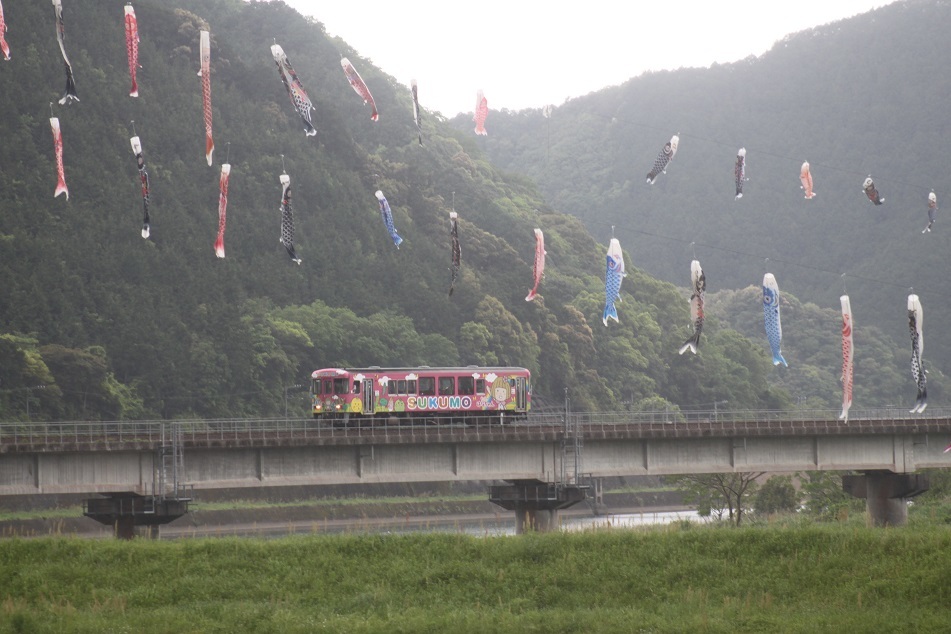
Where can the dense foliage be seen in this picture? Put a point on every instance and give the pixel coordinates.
(857, 97)
(100, 323)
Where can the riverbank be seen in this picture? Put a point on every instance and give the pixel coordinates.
(345, 516)
(684, 577)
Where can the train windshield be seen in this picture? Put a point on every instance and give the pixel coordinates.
(341, 385)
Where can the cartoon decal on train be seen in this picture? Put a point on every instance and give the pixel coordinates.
(438, 395)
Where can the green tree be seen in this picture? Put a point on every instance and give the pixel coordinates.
(776, 495)
(716, 494)
(824, 496)
(27, 387)
(90, 391)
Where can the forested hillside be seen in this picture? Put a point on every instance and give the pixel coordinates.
(96, 322)
(859, 97)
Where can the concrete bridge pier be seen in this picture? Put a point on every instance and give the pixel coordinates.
(537, 520)
(885, 494)
(127, 511)
(536, 503)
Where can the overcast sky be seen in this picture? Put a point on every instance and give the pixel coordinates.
(526, 53)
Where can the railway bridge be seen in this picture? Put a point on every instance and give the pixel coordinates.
(546, 460)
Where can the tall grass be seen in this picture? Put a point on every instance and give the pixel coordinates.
(679, 578)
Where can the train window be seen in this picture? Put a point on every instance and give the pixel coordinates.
(410, 386)
(466, 386)
(315, 386)
(356, 387)
(427, 386)
(328, 387)
(480, 386)
(401, 389)
(340, 386)
(391, 387)
(447, 386)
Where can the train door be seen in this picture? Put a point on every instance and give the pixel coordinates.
(521, 396)
(368, 402)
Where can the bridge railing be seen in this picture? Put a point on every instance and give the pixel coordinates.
(674, 416)
(75, 435)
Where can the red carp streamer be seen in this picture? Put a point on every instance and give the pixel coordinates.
(58, 148)
(222, 209)
(360, 87)
(132, 46)
(539, 269)
(205, 74)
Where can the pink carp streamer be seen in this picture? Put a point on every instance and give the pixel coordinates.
(360, 87)
(3, 42)
(915, 318)
(847, 357)
(70, 95)
(58, 148)
(481, 112)
(539, 269)
(205, 74)
(222, 209)
(805, 177)
(132, 46)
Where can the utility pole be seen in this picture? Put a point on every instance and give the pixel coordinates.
(286, 388)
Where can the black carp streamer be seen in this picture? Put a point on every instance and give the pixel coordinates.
(287, 219)
(144, 179)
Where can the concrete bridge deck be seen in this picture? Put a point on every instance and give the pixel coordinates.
(112, 457)
(236, 433)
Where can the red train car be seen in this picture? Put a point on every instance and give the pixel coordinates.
(374, 395)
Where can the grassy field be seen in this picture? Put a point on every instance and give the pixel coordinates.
(684, 577)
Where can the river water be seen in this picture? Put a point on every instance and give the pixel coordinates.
(499, 524)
